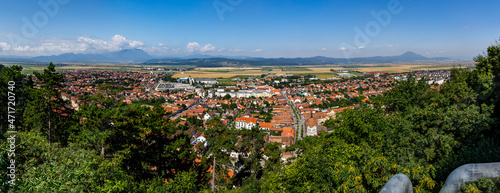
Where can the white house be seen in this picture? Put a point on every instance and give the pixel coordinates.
(199, 139)
(206, 117)
(312, 127)
(245, 123)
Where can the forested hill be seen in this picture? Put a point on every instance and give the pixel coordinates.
(416, 129)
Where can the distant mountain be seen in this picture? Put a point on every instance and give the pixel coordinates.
(139, 56)
(124, 56)
(136, 55)
(317, 60)
(15, 59)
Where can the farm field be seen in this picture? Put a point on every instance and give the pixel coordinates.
(231, 72)
(318, 71)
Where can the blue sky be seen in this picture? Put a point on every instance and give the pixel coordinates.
(293, 28)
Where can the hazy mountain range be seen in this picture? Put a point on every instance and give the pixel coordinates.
(140, 56)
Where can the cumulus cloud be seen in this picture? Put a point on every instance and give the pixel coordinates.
(257, 50)
(116, 43)
(361, 47)
(4, 46)
(83, 44)
(195, 47)
(323, 49)
(342, 48)
(21, 48)
(207, 48)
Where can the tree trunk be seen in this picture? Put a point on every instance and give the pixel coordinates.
(213, 176)
(50, 142)
(103, 149)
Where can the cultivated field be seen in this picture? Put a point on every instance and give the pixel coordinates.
(231, 72)
(318, 71)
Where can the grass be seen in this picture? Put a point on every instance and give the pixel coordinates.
(284, 69)
(215, 71)
(228, 83)
(241, 76)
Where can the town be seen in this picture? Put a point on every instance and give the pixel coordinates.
(285, 107)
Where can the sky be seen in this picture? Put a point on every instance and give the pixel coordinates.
(459, 29)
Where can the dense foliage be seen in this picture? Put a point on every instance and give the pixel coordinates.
(107, 146)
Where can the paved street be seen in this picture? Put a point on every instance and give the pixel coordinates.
(299, 120)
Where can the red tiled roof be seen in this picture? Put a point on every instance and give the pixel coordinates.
(246, 120)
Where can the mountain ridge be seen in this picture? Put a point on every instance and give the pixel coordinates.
(122, 56)
(141, 57)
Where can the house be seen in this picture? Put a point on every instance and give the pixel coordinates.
(206, 117)
(245, 123)
(288, 132)
(284, 140)
(334, 112)
(312, 127)
(200, 139)
(266, 126)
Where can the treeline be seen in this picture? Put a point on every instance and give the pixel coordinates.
(109, 146)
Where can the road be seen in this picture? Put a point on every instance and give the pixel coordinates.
(153, 87)
(175, 115)
(299, 119)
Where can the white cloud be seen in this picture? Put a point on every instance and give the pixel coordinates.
(323, 49)
(257, 50)
(161, 49)
(390, 46)
(237, 50)
(342, 48)
(361, 47)
(195, 47)
(207, 48)
(4, 46)
(21, 48)
(82, 44)
(116, 43)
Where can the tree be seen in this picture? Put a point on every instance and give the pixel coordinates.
(250, 146)
(485, 79)
(95, 129)
(44, 167)
(14, 86)
(46, 109)
(220, 143)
